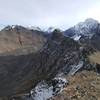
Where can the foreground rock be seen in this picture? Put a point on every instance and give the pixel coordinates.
(83, 86)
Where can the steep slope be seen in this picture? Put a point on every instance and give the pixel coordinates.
(21, 69)
(19, 40)
(20, 73)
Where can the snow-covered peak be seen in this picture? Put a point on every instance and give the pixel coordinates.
(50, 29)
(9, 27)
(1, 26)
(13, 26)
(43, 91)
(83, 27)
(76, 37)
(34, 28)
(86, 28)
(91, 21)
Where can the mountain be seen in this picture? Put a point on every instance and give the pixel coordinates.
(31, 59)
(19, 73)
(34, 28)
(50, 30)
(84, 85)
(87, 32)
(87, 28)
(1, 26)
(60, 54)
(20, 40)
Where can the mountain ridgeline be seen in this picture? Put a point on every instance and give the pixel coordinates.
(24, 71)
(87, 32)
(28, 56)
(19, 40)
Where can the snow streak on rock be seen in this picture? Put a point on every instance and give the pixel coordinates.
(43, 91)
(75, 68)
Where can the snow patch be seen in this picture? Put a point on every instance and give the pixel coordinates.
(2, 27)
(43, 91)
(34, 28)
(76, 37)
(13, 26)
(50, 29)
(75, 68)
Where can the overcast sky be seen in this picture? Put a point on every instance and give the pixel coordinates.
(45, 13)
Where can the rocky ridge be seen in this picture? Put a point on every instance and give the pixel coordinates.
(56, 54)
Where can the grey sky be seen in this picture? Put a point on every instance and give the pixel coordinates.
(45, 13)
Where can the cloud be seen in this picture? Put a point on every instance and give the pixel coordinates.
(45, 13)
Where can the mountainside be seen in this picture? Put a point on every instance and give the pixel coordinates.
(87, 28)
(20, 40)
(84, 85)
(25, 71)
(33, 61)
(87, 32)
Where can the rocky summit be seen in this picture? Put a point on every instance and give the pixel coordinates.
(59, 65)
(87, 32)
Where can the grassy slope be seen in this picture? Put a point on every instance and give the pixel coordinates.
(95, 58)
(83, 86)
